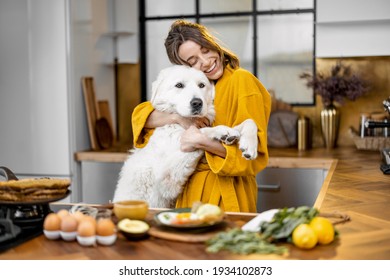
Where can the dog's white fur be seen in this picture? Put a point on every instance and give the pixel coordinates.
(158, 172)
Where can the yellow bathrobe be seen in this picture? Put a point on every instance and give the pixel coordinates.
(228, 182)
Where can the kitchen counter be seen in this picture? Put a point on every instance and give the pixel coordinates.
(355, 186)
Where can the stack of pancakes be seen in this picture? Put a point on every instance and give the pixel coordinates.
(25, 190)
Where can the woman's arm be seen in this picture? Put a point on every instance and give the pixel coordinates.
(193, 139)
(158, 119)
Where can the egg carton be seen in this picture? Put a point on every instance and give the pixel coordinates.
(85, 209)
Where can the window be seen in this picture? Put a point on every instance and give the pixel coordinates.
(274, 39)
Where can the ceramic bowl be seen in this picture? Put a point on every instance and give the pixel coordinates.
(131, 209)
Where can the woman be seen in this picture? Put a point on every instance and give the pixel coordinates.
(223, 177)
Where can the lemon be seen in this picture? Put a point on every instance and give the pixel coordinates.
(324, 230)
(304, 237)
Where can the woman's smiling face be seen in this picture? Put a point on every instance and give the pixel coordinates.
(205, 60)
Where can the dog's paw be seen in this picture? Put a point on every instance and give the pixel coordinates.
(226, 135)
(248, 147)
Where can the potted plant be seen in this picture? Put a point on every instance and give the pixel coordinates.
(337, 86)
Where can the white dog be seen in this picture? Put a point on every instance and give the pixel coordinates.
(158, 172)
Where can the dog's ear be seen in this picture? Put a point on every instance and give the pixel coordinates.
(156, 84)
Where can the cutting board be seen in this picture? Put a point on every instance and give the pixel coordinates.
(91, 108)
(189, 236)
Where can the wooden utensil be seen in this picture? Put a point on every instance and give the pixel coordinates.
(91, 109)
(104, 111)
(104, 134)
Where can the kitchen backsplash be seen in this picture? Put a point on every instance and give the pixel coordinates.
(377, 71)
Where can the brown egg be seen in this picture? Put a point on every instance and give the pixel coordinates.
(52, 222)
(62, 213)
(90, 218)
(79, 216)
(69, 223)
(86, 228)
(105, 227)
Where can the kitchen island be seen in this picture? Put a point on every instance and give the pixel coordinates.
(354, 186)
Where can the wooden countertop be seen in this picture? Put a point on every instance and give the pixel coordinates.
(354, 186)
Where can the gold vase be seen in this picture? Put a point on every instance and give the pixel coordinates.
(330, 122)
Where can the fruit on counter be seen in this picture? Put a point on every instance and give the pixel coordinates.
(301, 226)
(133, 226)
(133, 229)
(304, 237)
(324, 230)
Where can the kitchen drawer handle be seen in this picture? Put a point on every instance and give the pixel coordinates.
(267, 187)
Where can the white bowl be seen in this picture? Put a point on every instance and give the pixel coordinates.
(106, 240)
(52, 234)
(68, 236)
(86, 241)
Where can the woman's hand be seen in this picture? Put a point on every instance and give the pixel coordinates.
(190, 138)
(158, 119)
(193, 139)
(188, 122)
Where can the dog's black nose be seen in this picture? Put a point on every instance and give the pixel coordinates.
(196, 104)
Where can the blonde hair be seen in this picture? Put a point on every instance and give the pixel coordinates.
(182, 30)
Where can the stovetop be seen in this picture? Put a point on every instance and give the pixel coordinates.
(20, 223)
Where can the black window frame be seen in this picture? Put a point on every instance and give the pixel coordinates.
(197, 16)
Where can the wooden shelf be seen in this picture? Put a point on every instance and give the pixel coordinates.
(117, 153)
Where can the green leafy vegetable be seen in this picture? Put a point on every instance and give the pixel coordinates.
(242, 242)
(285, 221)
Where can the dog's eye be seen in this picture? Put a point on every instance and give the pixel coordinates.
(179, 85)
(201, 85)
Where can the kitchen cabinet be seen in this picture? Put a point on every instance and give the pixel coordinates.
(98, 180)
(288, 187)
(352, 28)
(277, 187)
(99, 172)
